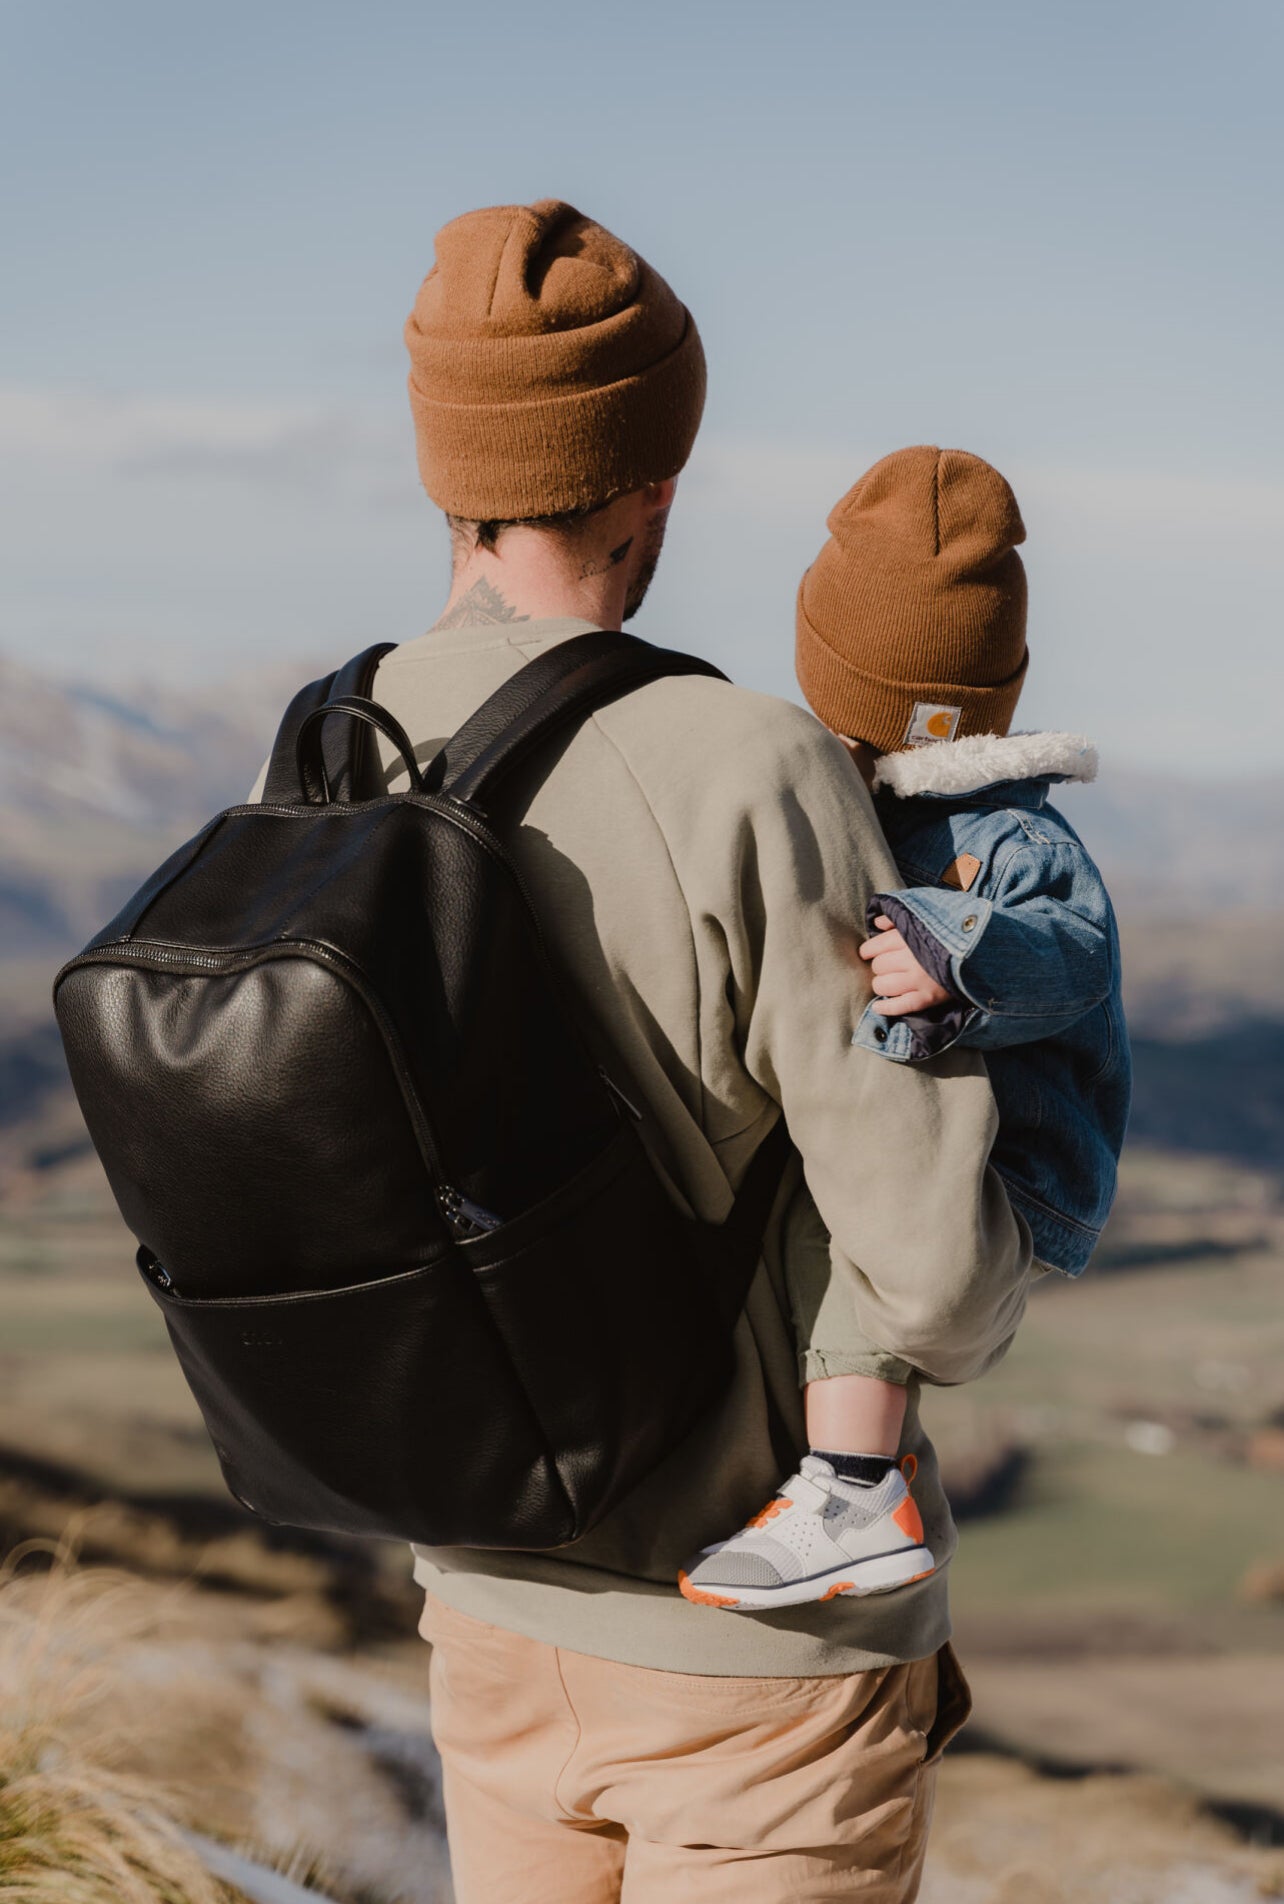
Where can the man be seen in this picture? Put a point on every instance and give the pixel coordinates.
(700, 858)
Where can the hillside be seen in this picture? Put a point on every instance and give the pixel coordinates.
(276, 1750)
(1185, 844)
(94, 789)
(1118, 1592)
(97, 790)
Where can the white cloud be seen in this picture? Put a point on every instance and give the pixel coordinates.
(795, 483)
(196, 535)
(58, 425)
(345, 446)
(317, 447)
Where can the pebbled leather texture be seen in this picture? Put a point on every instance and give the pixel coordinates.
(419, 1272)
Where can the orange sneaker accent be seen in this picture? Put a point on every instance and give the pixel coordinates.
(698, 1597)
(909, 1520)
(909, 1468)
(770, 1512)
(839, 1586)
(925, 1575)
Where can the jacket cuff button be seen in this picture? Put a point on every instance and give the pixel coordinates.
(969, 922)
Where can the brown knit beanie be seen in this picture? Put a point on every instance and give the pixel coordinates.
(911, 620)
(550, 367)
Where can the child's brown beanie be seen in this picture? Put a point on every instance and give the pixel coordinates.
(911, 620)
(550, 367)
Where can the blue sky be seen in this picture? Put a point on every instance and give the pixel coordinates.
(1046, 234)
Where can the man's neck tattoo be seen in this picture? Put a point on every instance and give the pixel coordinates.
(481, 603)
(603, 564)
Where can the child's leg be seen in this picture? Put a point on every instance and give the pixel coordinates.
(845, 1523)
(847, 1412)
(855, 1414)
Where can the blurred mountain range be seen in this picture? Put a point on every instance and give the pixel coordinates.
(96, 789)
(95, 786)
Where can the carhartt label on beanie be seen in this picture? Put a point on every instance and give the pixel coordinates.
(550, 367)
(911, 620)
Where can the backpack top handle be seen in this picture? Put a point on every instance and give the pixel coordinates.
(313, 773)
(351, 761)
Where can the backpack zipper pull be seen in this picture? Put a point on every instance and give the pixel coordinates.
(466, 1218)
(625, 1103)
(158, 1272)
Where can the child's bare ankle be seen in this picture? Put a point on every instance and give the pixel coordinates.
(855, 1414)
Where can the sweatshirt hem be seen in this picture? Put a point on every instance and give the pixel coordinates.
(646, 1625)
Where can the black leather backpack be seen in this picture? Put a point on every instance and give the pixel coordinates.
(413, 1257)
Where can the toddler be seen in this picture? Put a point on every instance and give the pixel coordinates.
(1000, 937)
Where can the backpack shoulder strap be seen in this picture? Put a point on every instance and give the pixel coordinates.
(350, 761)
(742, 1231)
(556, 691)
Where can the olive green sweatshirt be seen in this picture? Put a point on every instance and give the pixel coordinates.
(700, 858)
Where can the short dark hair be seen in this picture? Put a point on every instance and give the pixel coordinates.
(467, 535)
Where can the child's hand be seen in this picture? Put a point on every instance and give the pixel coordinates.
(899, 979)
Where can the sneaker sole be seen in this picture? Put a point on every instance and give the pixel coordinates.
(883, 1573)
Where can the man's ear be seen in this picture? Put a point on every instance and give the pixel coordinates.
(660, 495)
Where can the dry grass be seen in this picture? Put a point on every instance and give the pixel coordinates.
(132, 1707)
(1004, 1835)
(127, 1704)
(80, 1822)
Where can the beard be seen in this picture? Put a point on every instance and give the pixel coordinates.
(647, 561)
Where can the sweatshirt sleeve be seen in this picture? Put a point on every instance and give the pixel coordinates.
(896, 1156)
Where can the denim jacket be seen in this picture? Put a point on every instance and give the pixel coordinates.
(1004, 907)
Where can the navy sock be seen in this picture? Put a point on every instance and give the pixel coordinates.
(865, 1469)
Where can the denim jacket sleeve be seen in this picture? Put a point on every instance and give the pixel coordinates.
(1024, 962)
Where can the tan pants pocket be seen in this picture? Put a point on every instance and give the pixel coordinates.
(953, 1703)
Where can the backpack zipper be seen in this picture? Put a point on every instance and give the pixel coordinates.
(466, 818)
(625, 1103)
(132, 951)
(163, 955)
(465, 1218)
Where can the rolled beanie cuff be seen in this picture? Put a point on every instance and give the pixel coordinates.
(561, 450)
(865, 707)
(626, 343)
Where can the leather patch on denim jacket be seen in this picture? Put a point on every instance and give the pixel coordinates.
(961, 872)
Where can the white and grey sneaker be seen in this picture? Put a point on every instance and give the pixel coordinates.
(822, 1536)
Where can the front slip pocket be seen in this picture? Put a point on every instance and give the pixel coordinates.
(606, 1298)
(386, 1408)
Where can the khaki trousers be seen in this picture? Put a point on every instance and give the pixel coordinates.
(573, 1780)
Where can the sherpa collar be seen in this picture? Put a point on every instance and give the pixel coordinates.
(985, 760)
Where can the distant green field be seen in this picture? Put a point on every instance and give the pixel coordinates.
(1104, 1527)
(1195, 1350)
(1188, 1359)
